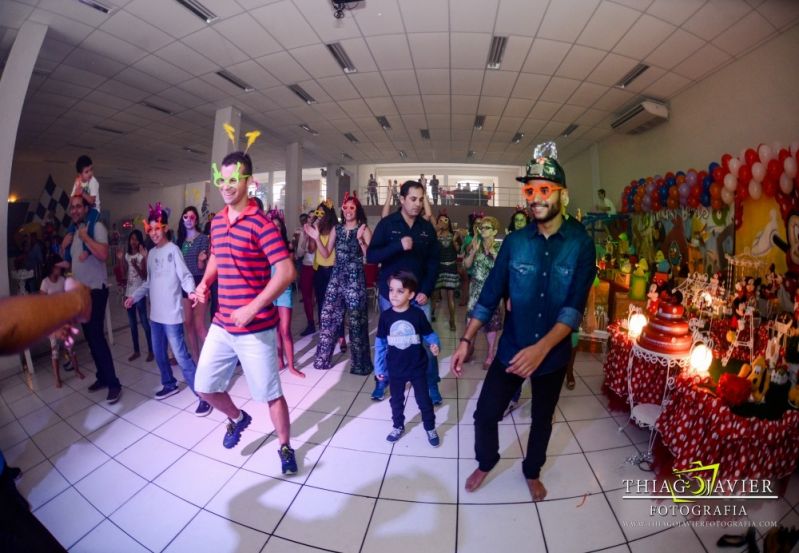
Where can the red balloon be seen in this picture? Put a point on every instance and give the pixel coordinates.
(774, 169)
(716, 203)
(673, 203)
(725, 159)
(700, 176)
(718, 174)
(715, 190)
(669, 175)
(770, 186)
(784, 154)
(751, 157)
(674, 192)
(744, 176)
(696, 191)
(693, 201)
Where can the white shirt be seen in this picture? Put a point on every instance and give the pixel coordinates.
(134, 278)
(93, 188)
(609, 204)
(167, 273)
(50, 287)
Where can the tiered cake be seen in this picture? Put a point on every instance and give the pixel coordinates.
(667, 332)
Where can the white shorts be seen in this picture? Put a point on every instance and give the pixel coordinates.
(258, 356)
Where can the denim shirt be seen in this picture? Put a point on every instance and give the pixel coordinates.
(547, 281)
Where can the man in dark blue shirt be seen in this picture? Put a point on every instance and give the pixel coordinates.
(546, 270)
(404, 241)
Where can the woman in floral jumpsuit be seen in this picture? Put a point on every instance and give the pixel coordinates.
(347, 289)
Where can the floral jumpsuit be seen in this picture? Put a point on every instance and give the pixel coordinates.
(346, 291)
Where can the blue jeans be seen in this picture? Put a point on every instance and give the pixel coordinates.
(174, 335)
(432, 362)
(140, 307)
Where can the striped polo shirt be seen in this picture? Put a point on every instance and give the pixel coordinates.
(244, 251)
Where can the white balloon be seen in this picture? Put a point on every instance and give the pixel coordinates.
(758, 171)
(727, 196)
(794, 147)
(765, 153)
(755, 189)
(790, 166)
(730, 182)
(733, 165)
(786, 184)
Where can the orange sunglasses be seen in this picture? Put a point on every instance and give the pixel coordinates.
(544, 190)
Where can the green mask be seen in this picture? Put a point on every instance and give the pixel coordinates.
(219, 181)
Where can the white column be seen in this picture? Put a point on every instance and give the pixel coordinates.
(223, 146)
(293, 186)
(270, 190)
(13, 86)
(332, 183)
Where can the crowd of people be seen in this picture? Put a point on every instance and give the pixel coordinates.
(533, 289)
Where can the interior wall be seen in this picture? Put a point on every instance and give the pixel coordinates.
(751, 101)
(579, 181)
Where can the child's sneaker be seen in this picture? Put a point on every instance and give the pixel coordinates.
(380, 390)
(166, 391)
(288, 461)
(203, 409)
(432, 437)
(234, 430)
(395, 434)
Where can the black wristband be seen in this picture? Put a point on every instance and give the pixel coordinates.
(465, 339)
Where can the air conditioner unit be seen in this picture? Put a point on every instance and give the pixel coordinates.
(641, 117)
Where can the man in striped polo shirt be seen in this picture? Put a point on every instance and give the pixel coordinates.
(243, 247)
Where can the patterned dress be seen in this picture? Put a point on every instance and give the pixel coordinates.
(447, 266)
(479, 271)
(346, 291)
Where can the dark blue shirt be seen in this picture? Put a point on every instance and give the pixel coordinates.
(398, 343)
(421, 260)
(547, 280)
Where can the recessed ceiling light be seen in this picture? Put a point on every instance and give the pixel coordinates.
(309, 130)
(341, 57)
(633, 74)
(383, 122)
(235, 81)
(517, 137)
(351, 137)
(470, 154)
(402, 154)
(345, 155)
(570, 129)
(479, 121)
(157, 108)
(191, 150)
(425, 133)
(496, 52)
(304, 96)
(199, 10)
(108, 129)
(94, 4)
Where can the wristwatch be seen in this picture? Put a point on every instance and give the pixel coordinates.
(465, 339)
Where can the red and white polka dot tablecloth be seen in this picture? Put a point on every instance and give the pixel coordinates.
(696, 426)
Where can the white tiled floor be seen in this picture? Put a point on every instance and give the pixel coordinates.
(145, 475)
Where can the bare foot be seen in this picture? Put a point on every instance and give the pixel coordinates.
(83, 256)
(297, 373)
(475, 480)
(80, 374)
(537, 489)
(58, 384)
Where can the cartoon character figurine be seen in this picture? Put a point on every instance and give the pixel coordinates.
(624, 244)
(760, 377)
(641, 268)
(661, 264)
(625, 266)
(713, 288)
(737, 320)
(653, 299)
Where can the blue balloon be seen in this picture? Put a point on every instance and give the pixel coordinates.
(707, 181)
(680, 173)
(712, 166)
(642, 181)
(671, 181)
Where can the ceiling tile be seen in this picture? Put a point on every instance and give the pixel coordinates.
(544, 110)
(433, 81)
(565, 19)
(331, 110)
(499, 83)
(706, 59)
(476, 18)
(745, 34)
(430, 50)
(780, 13)
(674, 49)
(568, 114)
(520, 17)
(409, 104)
(465, 104)
(611, 69)
(181, 97)
(586, 94)
(490, 105)
(96, 63)
(66, 89)
(415, 121)
(640, 5)
(318, 91)
(105, 44)
(530, 86)
(14, 14)
(545, 56)
(467, 81)
(211, 87)
(579, 62)
(170, 17)
(715, 17)
(592, 117)
(163, 70)
(317, 60)
(675, 11)
(559, 89)
(358, 52)
(138, 79)
(462, 122)
(517, 107)
(645, 35)
(438, 121)
(339, 88)
(370, 85)
(425, 16)
(436, 104)
(184, 57)
(283, 67)
(53, 50)
(401, 82)
(607, 25)
(516, 51)
(245, 32)
(469, 50)
(253, 74)
(379, 17)
(128, 27)
(286, 24)
(390, 51)
(355, 108)
(645, 79)
(108, 100)
(667, 86)
(215, 47)
(614, 99)
(510, 124)
(61, 28)
(319, 14)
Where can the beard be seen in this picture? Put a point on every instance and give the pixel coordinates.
(553, 211)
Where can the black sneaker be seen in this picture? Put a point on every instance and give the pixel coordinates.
(234, 430)
(310, 329)
(166, 391)
(14, 473)
(97, 386)
(113, 395)
(203, 409)
(288, 461)
(395, 434)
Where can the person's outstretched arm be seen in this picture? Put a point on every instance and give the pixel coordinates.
(387, 204)
(28, 318)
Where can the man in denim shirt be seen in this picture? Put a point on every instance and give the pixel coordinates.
(546, 271)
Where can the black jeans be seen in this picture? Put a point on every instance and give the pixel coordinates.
(101, 353)
(20, 530)
(397, 399)
(497, 391)
(140, 307)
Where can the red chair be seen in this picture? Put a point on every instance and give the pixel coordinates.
(370, 271)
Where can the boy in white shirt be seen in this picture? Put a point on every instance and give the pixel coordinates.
(88, 188)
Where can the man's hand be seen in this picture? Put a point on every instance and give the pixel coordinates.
(202, 291)
(66, 242)
(66, 334)
(242, 316)
(128, 303)
(196, 298)
(527, 360)
(421, 298)
(83, 232)
(86, 298)
(456, 361)
(435, 350)
(380, 377)
(407, 243)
